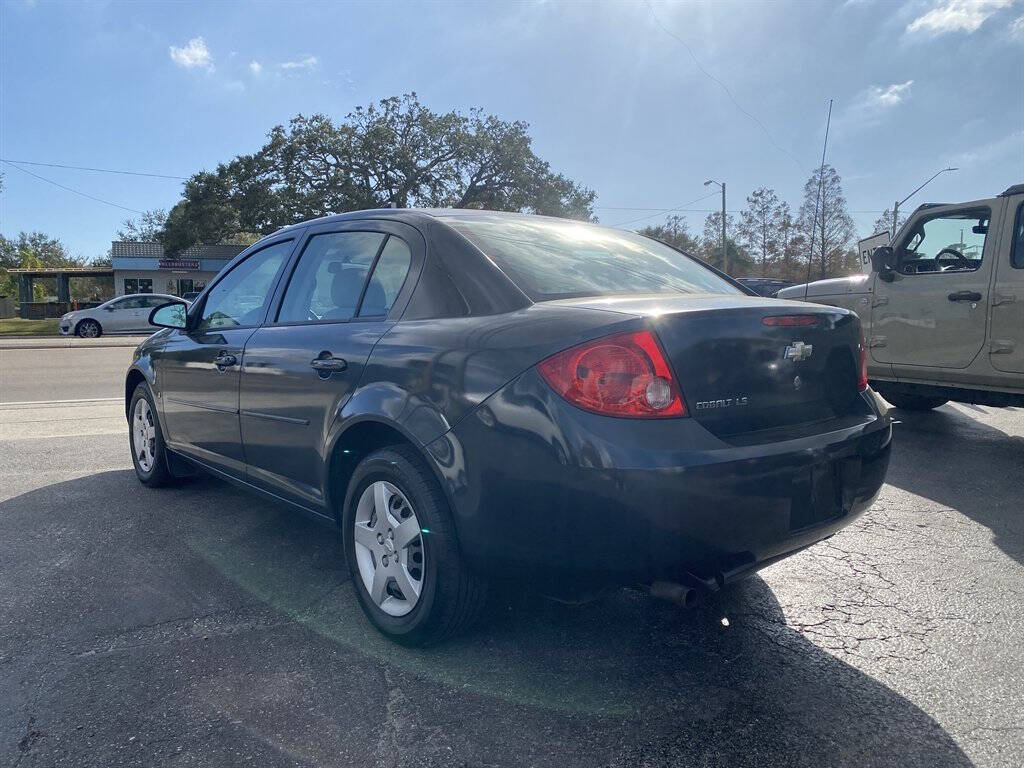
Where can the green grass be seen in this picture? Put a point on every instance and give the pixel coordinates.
(15, 326)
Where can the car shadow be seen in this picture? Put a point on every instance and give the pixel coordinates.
(626, 680)
(962, 463)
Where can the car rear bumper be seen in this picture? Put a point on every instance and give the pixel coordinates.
(539, 487)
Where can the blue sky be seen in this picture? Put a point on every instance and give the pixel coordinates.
(614, 101)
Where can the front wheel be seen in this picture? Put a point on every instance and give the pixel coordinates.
(88, 329)
(399, 539)
(149, 453)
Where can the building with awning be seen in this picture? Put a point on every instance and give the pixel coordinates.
(147, 268)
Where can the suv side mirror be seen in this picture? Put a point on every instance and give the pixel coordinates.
(883, 259)
(171, 315)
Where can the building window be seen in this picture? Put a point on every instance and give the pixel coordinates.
(185, 285)
(145, 285)
(131, 285)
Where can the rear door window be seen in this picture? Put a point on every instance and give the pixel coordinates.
(388, 277)
(328, 281)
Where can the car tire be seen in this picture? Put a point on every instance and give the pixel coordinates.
(146, 440)
(88, 329)
(450, 596)
(910, 402)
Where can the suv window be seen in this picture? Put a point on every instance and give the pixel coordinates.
(1017, 250)
(329, 278)
(241, 296)
(949, 242)
(387, 279)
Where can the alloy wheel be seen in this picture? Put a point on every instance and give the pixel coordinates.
(389, 548)
(89, 330)
(144, 434)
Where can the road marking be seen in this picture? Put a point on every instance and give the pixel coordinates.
(82, 401)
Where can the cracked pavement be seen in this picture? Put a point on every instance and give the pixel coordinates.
(199, 626)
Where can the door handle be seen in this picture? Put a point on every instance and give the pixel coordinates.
(224, 360)
(326, 364)
(964, 296)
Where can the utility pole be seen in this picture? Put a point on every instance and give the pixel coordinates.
(898, 203)
(725, 247)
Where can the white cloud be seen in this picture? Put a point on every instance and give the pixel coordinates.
(309, 62)
(1017, 28)
(255, 67)
(194, 55)
(887, 96)
(957, 16)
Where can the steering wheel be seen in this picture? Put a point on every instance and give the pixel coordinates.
(962, 261)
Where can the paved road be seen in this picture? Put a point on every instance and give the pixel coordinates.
(59, 372)
(196, 626)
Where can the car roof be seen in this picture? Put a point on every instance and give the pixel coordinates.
(420, 215)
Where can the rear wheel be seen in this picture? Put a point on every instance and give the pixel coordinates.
(88, 329)
(911, 402)
(149, 454)
(407, 571)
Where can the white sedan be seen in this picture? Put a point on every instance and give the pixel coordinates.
(123, 314)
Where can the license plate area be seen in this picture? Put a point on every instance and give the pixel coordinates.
(817, 495)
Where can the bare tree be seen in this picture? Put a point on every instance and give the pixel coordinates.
(826, 223)
(760, 225)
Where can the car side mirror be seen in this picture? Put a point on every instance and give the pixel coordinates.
(883, 260)
(171, 315)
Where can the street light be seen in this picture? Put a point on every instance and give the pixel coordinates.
(896, 206)
(725, 252)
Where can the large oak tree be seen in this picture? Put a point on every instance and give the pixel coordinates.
(397, 152)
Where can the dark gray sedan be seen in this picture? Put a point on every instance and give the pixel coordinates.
(472, 396)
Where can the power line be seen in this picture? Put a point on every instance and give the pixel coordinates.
(97, 170)
(69, 189)
(664, 210)
(722, 85)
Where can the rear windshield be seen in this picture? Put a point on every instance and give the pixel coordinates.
(552, 259)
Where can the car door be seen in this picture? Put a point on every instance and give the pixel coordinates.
(931, 311)
(117, 316)
(140, 317)
(198, 368)
(303, 365)
(1006, 344)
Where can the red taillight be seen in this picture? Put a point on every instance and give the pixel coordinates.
(862, 374)
(790, 321)
(622, 375)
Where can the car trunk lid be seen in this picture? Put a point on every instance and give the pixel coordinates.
(747, 364)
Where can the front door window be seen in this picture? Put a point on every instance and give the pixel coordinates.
(240, 298)
(949, 242)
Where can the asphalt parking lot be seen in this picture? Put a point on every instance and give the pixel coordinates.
(200, 626)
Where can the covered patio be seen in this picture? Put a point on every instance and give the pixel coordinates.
(37, 310)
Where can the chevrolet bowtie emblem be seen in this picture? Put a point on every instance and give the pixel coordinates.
(798, 351)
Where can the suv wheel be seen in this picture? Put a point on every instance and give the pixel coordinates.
(149, 453)
(88, 329)
(399, 541)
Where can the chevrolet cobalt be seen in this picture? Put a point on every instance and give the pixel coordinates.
(473, 396)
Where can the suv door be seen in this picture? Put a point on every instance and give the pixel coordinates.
(197, 369)
(1006, 346)
(301, 368)
(932, 313)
